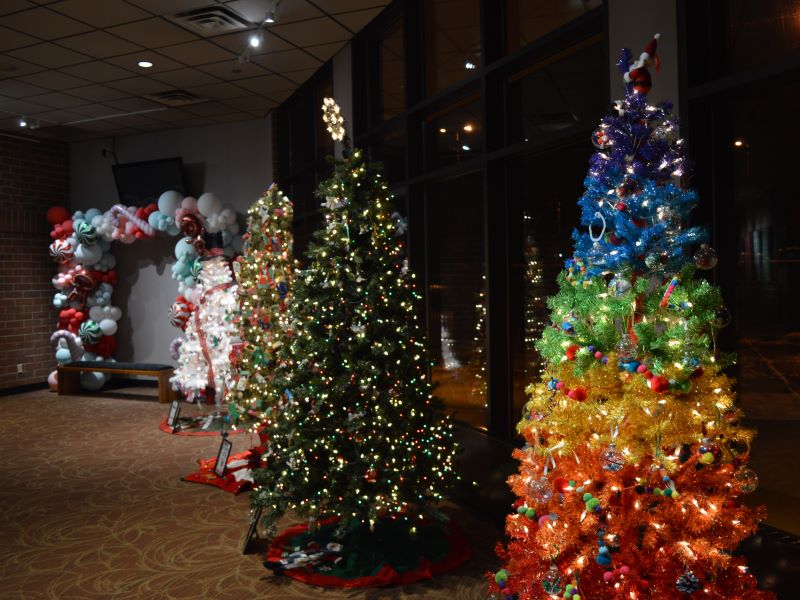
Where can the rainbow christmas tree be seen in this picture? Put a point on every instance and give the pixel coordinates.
(634, 461)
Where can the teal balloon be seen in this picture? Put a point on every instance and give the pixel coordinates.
(195, 268)
(90, 332)
(86, 233)
(63, 356)
(93, 380)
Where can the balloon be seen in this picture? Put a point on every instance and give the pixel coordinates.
(62, 250)
(88, 255)
(85, 233)
(52, 381)
(93, 380)
(169, 202)
(108, 326)
(90, 332)
(56, 214)
(183, 247)
(63, 356)
(208, 204)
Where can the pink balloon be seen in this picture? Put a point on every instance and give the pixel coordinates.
(52, 381)
(189, 203)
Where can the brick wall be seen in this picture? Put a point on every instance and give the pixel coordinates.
(33, 177)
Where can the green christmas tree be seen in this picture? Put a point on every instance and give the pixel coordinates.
(265, 276)
(358, 435)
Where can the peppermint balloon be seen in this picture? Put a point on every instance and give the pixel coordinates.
(86, 233)
(62, 251)
(90, 332)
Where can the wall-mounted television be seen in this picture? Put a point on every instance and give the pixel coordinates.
(140, 183)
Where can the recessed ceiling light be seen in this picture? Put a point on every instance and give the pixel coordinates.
(442, 130)
(23, 122)
(465, 148)
(469, 65)
(145, 64)
(738, 143)
(256, 39)
(468, 128)
(270, 18)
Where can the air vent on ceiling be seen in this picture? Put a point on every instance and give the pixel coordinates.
(175, 98)
(212, 20)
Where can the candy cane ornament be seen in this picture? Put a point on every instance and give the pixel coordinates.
(62, 334)
(119, 209)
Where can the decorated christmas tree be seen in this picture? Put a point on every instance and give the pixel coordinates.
(264, 276)
(634, 461)
(358, 436)
(204, 365)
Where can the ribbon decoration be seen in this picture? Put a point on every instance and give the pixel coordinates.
(202, 335)
(118, 209)
(72, 344)
(84, 283)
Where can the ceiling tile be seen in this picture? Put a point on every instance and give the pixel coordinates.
(287, 12)
(281, 95)
(44, 23)
(9, 6)
(208, 109)
(119, 132)
(10, 38)
(219, 91)
(169, 7)
(238, 42)
(21, 107)
(170, 115)
(131, 62)
(184, 78)
(300, 76)
(14, 67)
(97, 93)
(355, 21)
(57, 117)
(340, 6)
(98, 44)
(53, 80)
(102, 125)
(94, 110)
(131, 104)
(19, 89)
(199, 52)
(57, 100)
(325, 51)
(153, 33)
(251, 103)
(266, 84)
(313, 31)
(195, 122)
(139, 85)
(231, 70)
(132, 120)
(100, 14)
(233, 117)
(49, 55)
(289, 60)
(97, 71)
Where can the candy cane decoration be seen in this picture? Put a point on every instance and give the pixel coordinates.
(63, 334)
(119, 209)
(670, 288)
(591, 233)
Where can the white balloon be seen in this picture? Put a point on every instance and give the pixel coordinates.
(169, 202)
(92, 381)
(208, 204)
(88, 255)
(115, 312)
(108, 327)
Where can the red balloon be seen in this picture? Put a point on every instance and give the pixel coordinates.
(56, 214)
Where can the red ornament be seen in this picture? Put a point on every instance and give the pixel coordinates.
(578, 393)
(560, 484)
(371, 475)
(571, 351)
(659, 384)
(621, 206)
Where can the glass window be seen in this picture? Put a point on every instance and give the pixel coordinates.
(390, 150)
(528, 21)
(452, 41)
(565, 92)
(544, 188)
(456, 296)
(392, 65)
(454, 134)
(325, 145)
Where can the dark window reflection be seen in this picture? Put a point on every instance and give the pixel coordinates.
(527, 21)
(390, 151)
(324, 141)
(553, 97)
(452, 41)
(456, 296)
(391, 51)
(455, 134)
(544, 189)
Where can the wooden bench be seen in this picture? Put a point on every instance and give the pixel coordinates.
(69, 375)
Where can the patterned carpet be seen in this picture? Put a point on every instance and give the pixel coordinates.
(93, 507)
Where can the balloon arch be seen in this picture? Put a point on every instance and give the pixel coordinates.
(82, 242)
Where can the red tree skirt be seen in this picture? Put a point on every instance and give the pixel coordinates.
(193, 431)
(205, 474)
(448, 551)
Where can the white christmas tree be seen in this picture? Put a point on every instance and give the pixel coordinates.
(205, 355)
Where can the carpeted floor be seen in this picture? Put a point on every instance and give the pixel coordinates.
(92, 506)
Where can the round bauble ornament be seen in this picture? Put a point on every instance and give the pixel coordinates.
(551, 583)
(600, 139)
(618, 286)
(669, 217)
(90, 332)
(706, 257)
(722, 318)
(612, 458)
(656, 260)
(86, 233)
(626, 349)
(745, 480)
(540, 490)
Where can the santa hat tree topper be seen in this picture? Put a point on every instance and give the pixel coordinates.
(636, 73)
